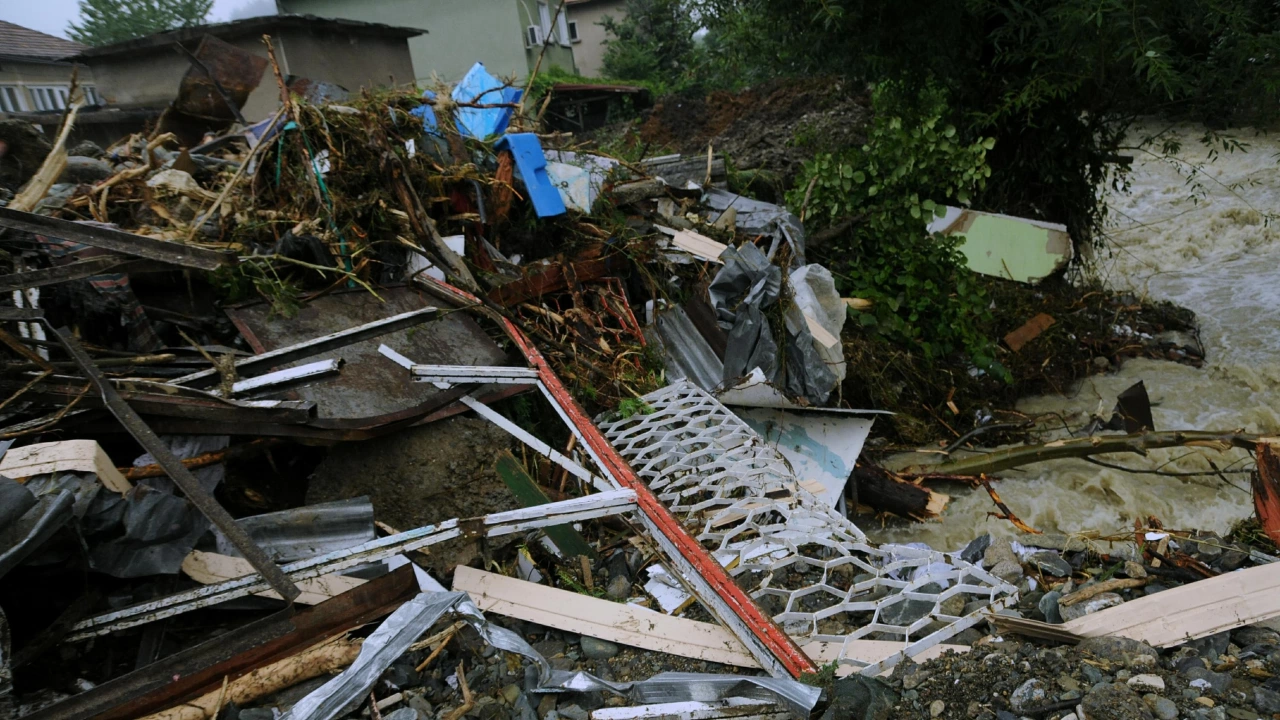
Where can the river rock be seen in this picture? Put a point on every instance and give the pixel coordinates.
(1134, 570)
(1162, 708)
(404, 713)
(999, 551)
(1050, 562)
(1206, 679)
(1101, 601)
(1116, 649)
(81, 169)
(1265, 701)
(619, 588)
(572, 712)
(1028, 695)
(974, 551)
(1211, 647)
(1048, 606)
(1114, 701)
(1147, 683)
(1255, 635)
(1008, 570)
(597, 649)
(936, 708)
(861, 698)
(905, 612)
(1053, 541)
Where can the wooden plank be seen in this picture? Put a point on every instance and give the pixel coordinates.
(209, 568)
(615, 622)
(528, 494)
(1174, 616)
(64, 456)
(644, 628)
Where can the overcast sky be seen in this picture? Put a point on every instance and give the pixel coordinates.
(52, 16)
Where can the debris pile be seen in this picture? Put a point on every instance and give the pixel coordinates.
(263, 394)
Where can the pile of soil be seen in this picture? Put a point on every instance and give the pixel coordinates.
(771, 128)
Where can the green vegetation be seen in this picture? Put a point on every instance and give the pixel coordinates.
(103, 22)
(654, 41)
(886, 192)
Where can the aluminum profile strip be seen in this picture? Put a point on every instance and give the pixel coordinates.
(493, 525)
(776, 652)
(808, 565)
(458, 374)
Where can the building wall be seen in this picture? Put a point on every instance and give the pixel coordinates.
(22, 76)
(558, 54)
(460, 33)
(588, 52)
(149, 77)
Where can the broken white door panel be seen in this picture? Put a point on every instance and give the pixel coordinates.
(209, 568)
(574, 184)
(1008, 247)
(819, 446)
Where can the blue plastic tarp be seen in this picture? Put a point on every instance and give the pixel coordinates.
(531, 164)
(479, 87)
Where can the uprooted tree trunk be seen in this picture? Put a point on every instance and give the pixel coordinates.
(1266, 487)
(883, 491)
(323, 659)
(1139, 443)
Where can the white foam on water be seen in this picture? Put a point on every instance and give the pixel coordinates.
(1215, 254)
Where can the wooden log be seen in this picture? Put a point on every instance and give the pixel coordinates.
(323, 659)
(883, 491)
(1140, 443)
(1266, 487)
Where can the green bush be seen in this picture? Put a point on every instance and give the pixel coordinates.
(886, 192)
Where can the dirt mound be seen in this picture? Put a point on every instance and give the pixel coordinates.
(773, 127)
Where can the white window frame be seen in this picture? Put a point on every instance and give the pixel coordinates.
(49, 97)
(574, 37)
(562, 29)
(544, 20)
(12, 99)
(91, 95)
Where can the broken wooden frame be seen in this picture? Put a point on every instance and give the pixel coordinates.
(258, 363)
(173, 253)
(496, 524)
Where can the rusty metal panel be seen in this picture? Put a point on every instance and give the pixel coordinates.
(237, 71)
(369, 386)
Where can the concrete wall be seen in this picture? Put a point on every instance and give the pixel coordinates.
(24, 74)
(460, 33)
(588, 52)
(150, 77)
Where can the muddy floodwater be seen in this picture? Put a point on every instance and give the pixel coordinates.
(1206, 245)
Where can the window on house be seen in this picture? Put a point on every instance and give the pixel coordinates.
(91, 95)
(544, 18)
(573, 31)
(49, 97)
(562, 29)
(11, 99)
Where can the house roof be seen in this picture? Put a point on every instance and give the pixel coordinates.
(22, 43)
(264, 23)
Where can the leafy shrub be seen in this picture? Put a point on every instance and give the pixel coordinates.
(887, 191)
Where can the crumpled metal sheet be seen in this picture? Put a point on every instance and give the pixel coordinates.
(307, 531)
(740, 292)
(144, 532)
(32, 529)
(755, 217)
(347, 691)
(803, 562)
(687, 353)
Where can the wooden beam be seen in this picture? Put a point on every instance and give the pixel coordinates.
(1266, 488)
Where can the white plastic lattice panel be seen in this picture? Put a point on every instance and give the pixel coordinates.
(807, 565)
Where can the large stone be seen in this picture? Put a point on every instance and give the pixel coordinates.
(1266, 701)
(857, 697)
(1051, 563)
(404, 713)
(1162, 708)
(1146, 683)
(974, 551)
(1134, 570)
(905, 612)
(597, 649)
(1116, 649)
(619, 588)
(1211, 647)
(572, 712)
(1028, 695)
(1206, 679)
(1101, 601)
(999, 551)
(81, 169)
(1053, 541)
(1114, 701)
(1048, 607)
(1255, 635)
(1008, 570)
